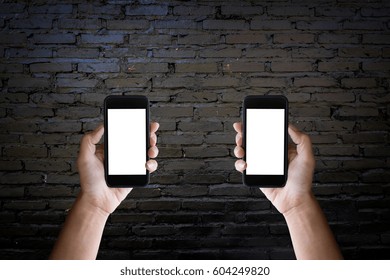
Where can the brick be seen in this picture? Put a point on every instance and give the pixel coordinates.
(10, 125)
(13, 39)
(204, 178)
(200, 126)
(358, 82)
(148, 10)
(51, 191)
(331, 177)
(338, 150)
(175, 24)
(28, 82)
(371, 137)
(78, 112)
(224, 24)
(181, 139)
(243, 38)
(11, 191)
(127, 24)
(313, 52)
(359, 52)
(314, 82)
(335, 125)
(10, 165)
(65, 38)
(220, 82)
(246, 230)
(196, 68)
(335, 12)
(30, 111)
(7, 8)
(172, 111)
(199, 39)
(218, 111)
(204, 205)
(11, 68)
(131, 218)
(346, 111)
(380, 176)
(318, 25)
(376, 66)
(25, 151)
(60, 126)
(375, 12)
(79, 24)
(243, 67)
(205, 152)
(149, 40)
(126, 83)
(185, 191)
(338, 66)
(190, 10)
(338, 39)
(175, 82)
(241, 10)
(25, 205)
(18, 178)
(196, 97)
(102, 39)
(289, 11)
(291, 66)
(227, 190)
(33, 22)
(268, 82)
(177, 52)
(314, 111)
(103, 67)
(337, 97)
(226, 52)
(170, 152)
(153, 230)
(261, 24)
(51, 67)
(362, 25)
(52, 9)
(37, 52)
(299, 38)
(96, 9)
(52, 165)
(159, 205)
(78, 52)
(268, 53)
(76, 82)
(147, 67)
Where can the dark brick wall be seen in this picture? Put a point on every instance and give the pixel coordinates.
(195, 60)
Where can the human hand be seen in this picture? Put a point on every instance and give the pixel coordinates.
(90, 163)
(300, 171)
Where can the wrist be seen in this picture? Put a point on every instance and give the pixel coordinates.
(90, 207)
(307, 203)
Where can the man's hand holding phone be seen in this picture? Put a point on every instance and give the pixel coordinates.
(91, 169)
(300, 170)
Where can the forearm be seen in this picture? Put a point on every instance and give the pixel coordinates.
(82, 232)
(310, 232)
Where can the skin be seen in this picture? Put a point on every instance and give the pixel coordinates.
(309, 230)
(83, 229)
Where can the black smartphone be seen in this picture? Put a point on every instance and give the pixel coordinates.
(126, 140)
(265, 123)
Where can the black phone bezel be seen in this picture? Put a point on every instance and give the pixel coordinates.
(266, 102)
(125, 102)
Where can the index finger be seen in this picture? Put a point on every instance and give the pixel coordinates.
(238, 127)
(154, 126)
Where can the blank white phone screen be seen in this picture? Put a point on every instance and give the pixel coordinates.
(265, 141)
(126, 141)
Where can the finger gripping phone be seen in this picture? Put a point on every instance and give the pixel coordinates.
(126, 140)
(265, 121)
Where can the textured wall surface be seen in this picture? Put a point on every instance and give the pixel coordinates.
(195, 61)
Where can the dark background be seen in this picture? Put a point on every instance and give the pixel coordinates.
(195, 61)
